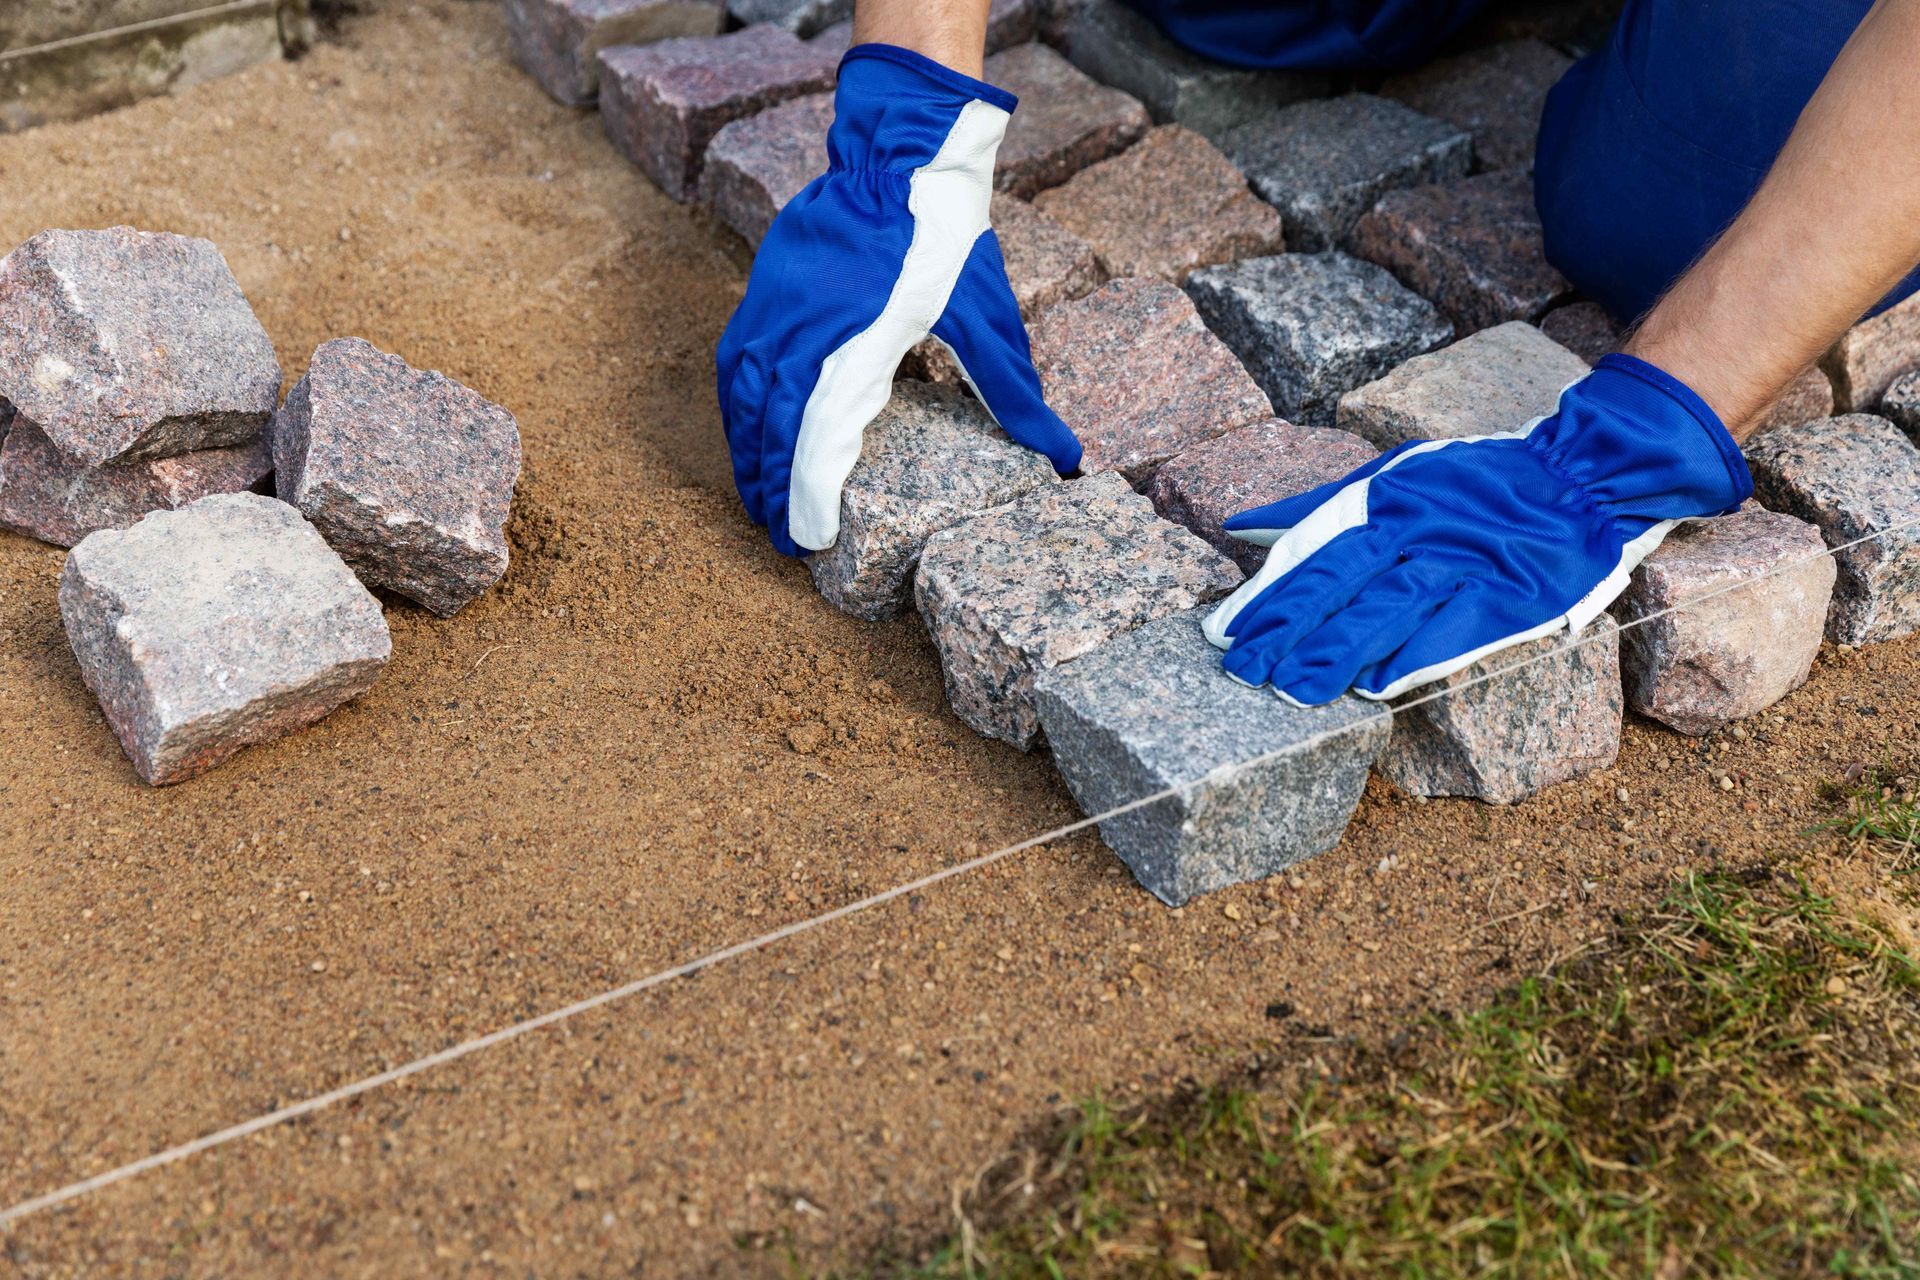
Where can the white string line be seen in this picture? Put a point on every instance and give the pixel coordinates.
(308, 1106)
(133, 28)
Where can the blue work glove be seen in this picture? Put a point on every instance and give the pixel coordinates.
(889, 245)
(1440, 552)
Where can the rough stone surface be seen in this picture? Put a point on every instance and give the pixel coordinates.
(124, 345)
(802, 17)
(932, 458)
(226, 623)
(1136, 375)
(1268, 784)
(558, 42)
(45, 494)
(1583, 328)
(1246, 468)
(754, 166)
(1496, 94)
(1066, 120)
(1325, 162)
(1901, 405)
(1496, 380)
(1852, 476)
(1009, 22)
(1807, 397)
(1868, 359)
(1118, 46)
(1312, 326)
(1738, 640)
(662, 103)
(407, 473)
(1547, 722)
(1164, 206)
(1024, 587)
(1473, 246)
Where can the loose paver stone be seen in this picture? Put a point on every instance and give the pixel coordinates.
(1807, 397)
(45, 494)
(558, 42)
(1250, 467)
(1868, 359)
(1901, 404)
(1325, 162)
(1040, 581)
(802, 17)
(662, 103)
(1267, 784)
(1583, 328)
(1496, 94)
(1137, 376)
(754, 166)
(1164, 206)
(1312, 326)
(407, 473)
(1547, 722)
(932, 458)
(1473, 246)
(125, 345)
(1748, 595)
(1496, 380)
(226, 623)
(1852, 476)
(1118, 46)
(1066, 120)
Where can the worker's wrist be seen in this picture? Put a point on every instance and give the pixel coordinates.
(951, 34)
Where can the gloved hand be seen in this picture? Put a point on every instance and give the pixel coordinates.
(1440, 552)
(891, 243)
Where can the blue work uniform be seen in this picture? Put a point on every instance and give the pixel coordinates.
(1648, 147)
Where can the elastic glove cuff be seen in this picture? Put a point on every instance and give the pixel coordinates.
(939, 73)
(894, 110)
(1643, 444)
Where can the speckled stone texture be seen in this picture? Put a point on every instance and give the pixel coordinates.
(1807, 397)
(1066, 120)
(558, 42)
(1324, 163)
(1496, 94)
(802, 17)
(1118, 46)
(1022, 588)
(224, 624)
(932, 458)
(662, 103)
(124, 345)
(1313, 326)
(1136, 375)
(1901, 405)
(1548, 722)
(1583, 328)
(1852, 476)
(1248, 468)
(1164, 206)
(45, 494)
(1473, 246)
(1868, 359)
(407, 473)
(1496, 380)
(1738, 640)
(754, 166)
(1268, 784)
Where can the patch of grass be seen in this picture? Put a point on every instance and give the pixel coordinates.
(1729, 1086)
(1880, 815)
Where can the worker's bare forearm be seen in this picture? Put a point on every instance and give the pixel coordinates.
(951, 32)
(1835, 225)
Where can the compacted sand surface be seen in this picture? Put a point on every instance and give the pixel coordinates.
(650, 741)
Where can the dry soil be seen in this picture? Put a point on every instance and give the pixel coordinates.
(651, 740)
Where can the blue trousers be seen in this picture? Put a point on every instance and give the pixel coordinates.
(1648, 147)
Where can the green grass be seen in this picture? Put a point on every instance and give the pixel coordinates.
(1730, 1086)
(1880, 815)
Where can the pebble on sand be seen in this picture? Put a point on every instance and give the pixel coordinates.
(227, 623)
(408, 474)
(124, 345)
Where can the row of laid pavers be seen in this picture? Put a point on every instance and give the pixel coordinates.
(144, 429)
(1407, 231)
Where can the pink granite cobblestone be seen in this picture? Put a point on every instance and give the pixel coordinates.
(1873, 355)
(1066, 120)
(1496, 94)
(558, 42)
(1496, 380)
